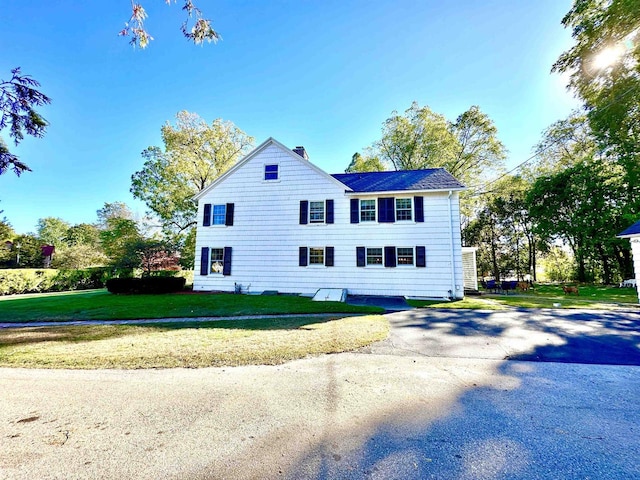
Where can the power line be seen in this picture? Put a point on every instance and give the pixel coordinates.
(485, 185)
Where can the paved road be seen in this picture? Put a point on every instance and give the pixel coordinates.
(415, 407)
(544, 335)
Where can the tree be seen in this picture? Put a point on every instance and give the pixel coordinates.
(18, 98)
(578, 205)
(113, 210)
(52, 231)
(195, 154)
(604, 68)
(27, 252)
(119, 232)
(150, 255)
(563, 144)
(200, 31)
(6, 236)
(82, 234)
(361, 163)
(478, 151)
(79, 256)
(420, 138)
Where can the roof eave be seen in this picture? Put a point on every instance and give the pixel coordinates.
(431, 190)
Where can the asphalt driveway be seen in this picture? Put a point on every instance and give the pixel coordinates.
(543, 335)
(442, 398)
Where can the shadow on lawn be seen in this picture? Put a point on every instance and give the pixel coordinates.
(96, 332)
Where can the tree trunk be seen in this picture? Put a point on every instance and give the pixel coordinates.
(606, 268)
(494, 258)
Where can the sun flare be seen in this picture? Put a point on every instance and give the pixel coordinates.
(608, 56)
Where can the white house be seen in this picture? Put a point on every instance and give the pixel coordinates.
(277, 222)
(633, 234)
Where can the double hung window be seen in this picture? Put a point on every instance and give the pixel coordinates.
(219, 214)
(316, 212)
(217, 260)
(367, 210)
(374, 256)
(403, 209)
(405, 256)
(316, 256)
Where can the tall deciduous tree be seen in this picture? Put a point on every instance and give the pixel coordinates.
(363, 163)
(478, 150)
(195, 154)
(113, 210)
(52, 231)
(19, 97)
(421, 138)
(604, 68)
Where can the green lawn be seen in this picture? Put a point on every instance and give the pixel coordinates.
(191, 345)
(543, 296)
(101, 305)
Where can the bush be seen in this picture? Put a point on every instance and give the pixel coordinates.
(145, 285)
(29, 280)
(26, 280)
(81, 279)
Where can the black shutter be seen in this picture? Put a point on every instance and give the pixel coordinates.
(204, 261)
(418, 203)
(206, 221)
(304, 212)
(355, 210)
(328, 256)
(421, 257)
(302, 257)
(361, 257)
(389, 256)
(386, 210)
(329, 209)
(226, 261)
(228, 221)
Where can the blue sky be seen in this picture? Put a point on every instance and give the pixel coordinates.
(322, 74)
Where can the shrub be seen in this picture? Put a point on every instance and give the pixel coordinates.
(81, 279)
(145, 285)
(28, 280)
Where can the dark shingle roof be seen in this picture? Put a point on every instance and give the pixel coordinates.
(428, 179)
(632, 230)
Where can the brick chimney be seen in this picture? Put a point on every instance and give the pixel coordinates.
(302, 152)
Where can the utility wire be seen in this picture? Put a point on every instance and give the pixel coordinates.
(520, 165)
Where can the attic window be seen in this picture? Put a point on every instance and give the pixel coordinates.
(271, 172)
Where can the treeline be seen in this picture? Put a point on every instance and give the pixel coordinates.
(116, 240)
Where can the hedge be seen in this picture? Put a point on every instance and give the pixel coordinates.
(37, 280)
(146, 285)
(32, 280)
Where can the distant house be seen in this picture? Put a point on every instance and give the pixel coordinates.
(275, 221)
(633, 234)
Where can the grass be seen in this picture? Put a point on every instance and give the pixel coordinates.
(101, 305)
(544, 296)
(591, 296)
(473, 303)
(191, 344)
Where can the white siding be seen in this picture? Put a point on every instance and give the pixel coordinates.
(266, 236)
